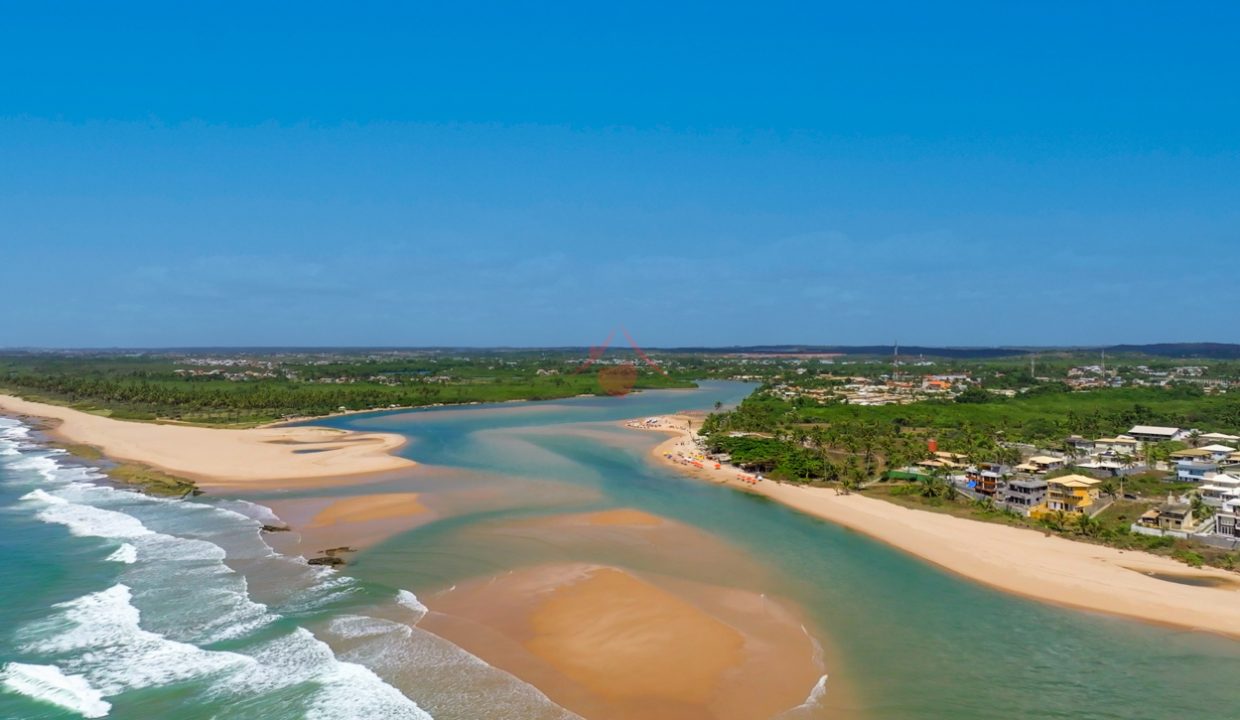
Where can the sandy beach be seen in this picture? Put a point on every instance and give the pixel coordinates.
(276, 457)
(611, 645)
(618, 643)
(1016, 560)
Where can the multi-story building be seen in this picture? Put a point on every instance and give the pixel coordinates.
(1197, 465)
(1118, 445)
(1023, 494)
(1154, 433)
(1072, 493)
(1220, 489)
(986, 478)
(1227, 522)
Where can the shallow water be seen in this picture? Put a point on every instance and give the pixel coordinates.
(144, 608)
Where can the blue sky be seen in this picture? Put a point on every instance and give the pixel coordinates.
(487, 174)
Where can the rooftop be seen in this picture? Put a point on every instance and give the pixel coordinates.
(1075, 481)
(1219, 436)
(1152, 430)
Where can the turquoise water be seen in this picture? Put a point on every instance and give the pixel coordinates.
(140, 608)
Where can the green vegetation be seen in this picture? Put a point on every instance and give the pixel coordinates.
(793, 430)
(142, 477)
(1037, 416)
(86, 452)
(152, 481)
(242, 389)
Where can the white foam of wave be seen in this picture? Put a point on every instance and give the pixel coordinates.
(86, 520)
(410, 601)
(98, 636)
(345, 690)
(329, 587)
(99, 639)
(48, 684)
(352, 627)
(405, 655)
(11, 429)
(353, 691)
(42, 464)
(126, 553)
(260, 514)
(176, 572)
(815, 695)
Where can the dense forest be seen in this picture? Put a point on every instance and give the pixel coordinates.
(250, 389)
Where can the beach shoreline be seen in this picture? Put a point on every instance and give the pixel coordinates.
(217, 458)
(1019, 561)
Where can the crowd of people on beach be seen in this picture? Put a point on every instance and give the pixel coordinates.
(691, 451)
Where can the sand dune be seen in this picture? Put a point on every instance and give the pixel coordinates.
(216, 457)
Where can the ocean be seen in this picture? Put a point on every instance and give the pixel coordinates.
(122, 605)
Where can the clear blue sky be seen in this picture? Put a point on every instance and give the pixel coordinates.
(465, 173)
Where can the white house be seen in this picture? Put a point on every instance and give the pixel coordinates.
(1221, 489)
(1118, 445)
(1154, 433)
(1227, 522)
(1222, 438)
(1218, 452)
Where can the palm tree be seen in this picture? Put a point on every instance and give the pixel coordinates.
(1056, 520)
(1070, 453)
(1201, 510)
(1194, 438)
(1087, 526)
(1108, 487)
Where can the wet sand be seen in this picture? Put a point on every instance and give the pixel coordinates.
(317, 524)
(1017, 560)
(368, 507)
(612, 645)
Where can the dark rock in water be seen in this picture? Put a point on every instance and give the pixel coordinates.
(331, 561)
(275, 528)
(333, 552)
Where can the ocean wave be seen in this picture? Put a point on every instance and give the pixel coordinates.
(175, 598)
(407, 656)
(86, 520)
(344, 689)
(352, 627)
(816, 694)
(408, 600)
(98, 636)
(126, 553)
(41, 464)
(184, 573)
(48, 684)
(354, 691)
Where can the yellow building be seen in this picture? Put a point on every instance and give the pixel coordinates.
(1070, 493)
